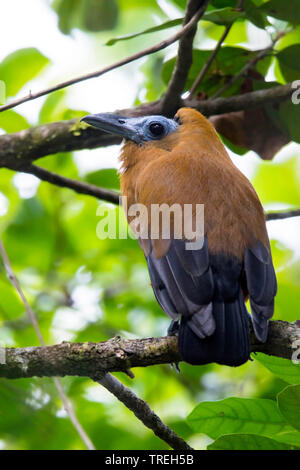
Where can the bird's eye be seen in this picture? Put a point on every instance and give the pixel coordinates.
(157, 129)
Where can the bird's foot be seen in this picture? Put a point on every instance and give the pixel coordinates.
(173, 329)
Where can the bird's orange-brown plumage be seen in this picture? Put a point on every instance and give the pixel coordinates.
(192, 166)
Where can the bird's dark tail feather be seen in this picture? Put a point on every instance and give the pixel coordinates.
(228, 345)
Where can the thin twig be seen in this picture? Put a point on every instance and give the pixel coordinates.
(78, 186)
(213, 55)
(279, 215)
(263, 53)
(210, 60)
(67, 404)
(142, 411)
(151, 50)
(172, 97)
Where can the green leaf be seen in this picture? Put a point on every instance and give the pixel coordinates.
(283, 11)
(285, 184)
(285, 369)
(247, 442)
(2, 92)
(289, 405)
(222, 3)
(242, 415)
(154, 29)
(229, 61)
(289, 114)
(224, 16)
(53, 108)
(89, 15)
(30, 236)
(20, 67)
(292, 438)
(106, 178)
(253, 14)
(289, 62)
(10, 121)
(99, 15)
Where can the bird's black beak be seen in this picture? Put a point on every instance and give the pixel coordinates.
(114, 124)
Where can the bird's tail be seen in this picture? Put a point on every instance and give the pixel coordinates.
(228, 345)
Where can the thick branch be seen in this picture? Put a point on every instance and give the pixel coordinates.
(36, 142)
(172, 97)
(92, 359)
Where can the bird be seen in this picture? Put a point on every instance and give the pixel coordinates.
(203, 290)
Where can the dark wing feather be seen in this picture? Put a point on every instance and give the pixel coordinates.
(183, 284)
(262, 287)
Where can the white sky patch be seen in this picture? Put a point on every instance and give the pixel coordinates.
(257, 38)
(287, 232)
(4, 203)
(88, 161)
(98, 395)
(247, 163)
(86, 309)
(86, 300)
(61, 413)
(38, 398)
(26, 184)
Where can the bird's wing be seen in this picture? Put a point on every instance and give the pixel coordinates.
(261, 285)
(183, 283)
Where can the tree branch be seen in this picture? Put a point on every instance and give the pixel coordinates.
(36, 142)
(116, 354)
(172, 97)
(78, 186)
(142, 411)
(282, 214)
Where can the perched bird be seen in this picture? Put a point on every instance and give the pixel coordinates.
(183, 161)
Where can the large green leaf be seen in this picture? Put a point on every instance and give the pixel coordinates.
(289, 405)
(289, 62)
(292, 438)
(10, 121)
(285, 369)
(253, 14)
(289, 114)
(237, 415)
(247, 442)
(282, 10)
(223, 16)
(20, 67)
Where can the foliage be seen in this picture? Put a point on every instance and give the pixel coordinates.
(86, 289)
